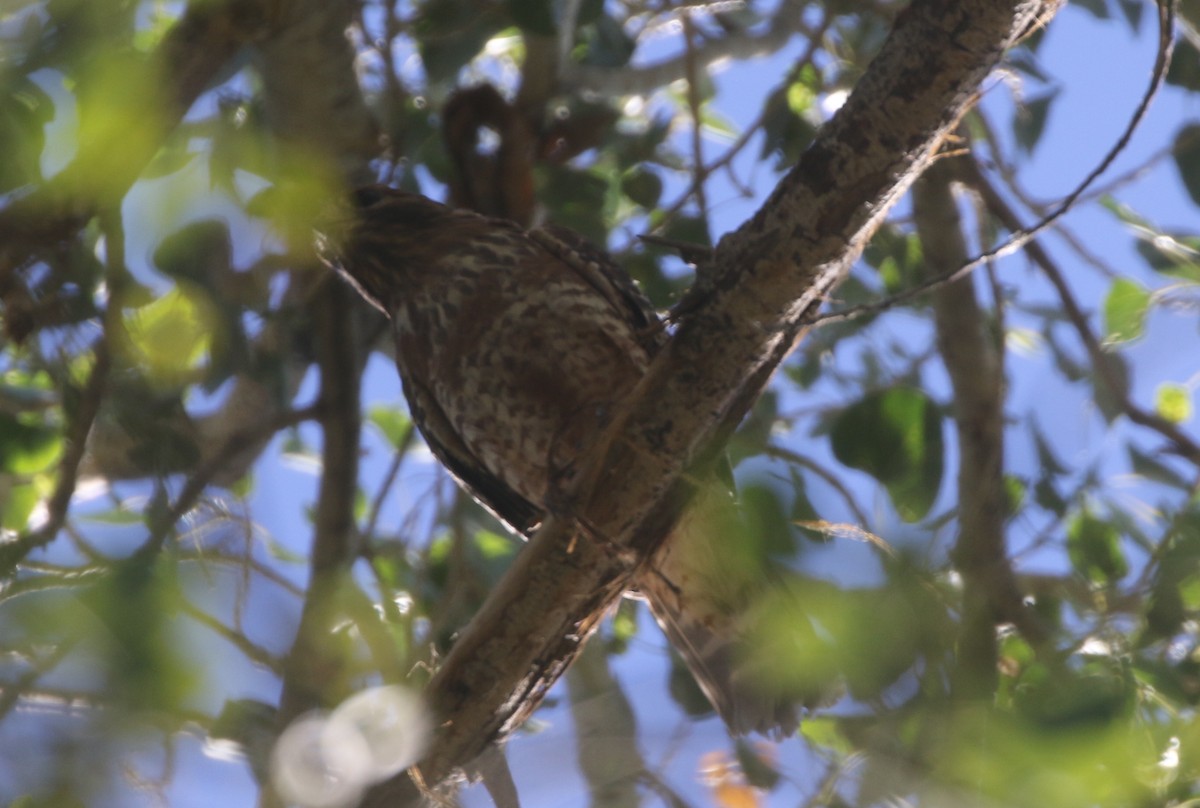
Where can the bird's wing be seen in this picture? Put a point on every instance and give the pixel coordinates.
(489, 490)
(599, 271)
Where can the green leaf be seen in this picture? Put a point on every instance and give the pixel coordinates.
(643, 187)
(1031, 121)
(1177, 255)
(17, 502)
(534, 16)
(1094, 547)
(1154, 469)
(1173, 402)
(605, 43)
(1111, 402)
(1185, 67)
(170, 337)
(826, 732)
(1125, 311)
(800, 97)
(896, 437)
(1186, 152)
(451, 33)
(25, 109)
(27, 448)
(392, 422)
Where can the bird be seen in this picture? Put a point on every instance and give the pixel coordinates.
(515, 347)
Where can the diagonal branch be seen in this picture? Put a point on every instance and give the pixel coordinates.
(767, 279)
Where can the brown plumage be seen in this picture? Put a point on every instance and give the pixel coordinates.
(514, 348)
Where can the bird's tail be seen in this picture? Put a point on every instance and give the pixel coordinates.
(701, 589)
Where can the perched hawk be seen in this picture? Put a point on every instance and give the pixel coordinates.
(514, 347)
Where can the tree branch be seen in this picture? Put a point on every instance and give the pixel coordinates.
(767, 278)
(973, 362)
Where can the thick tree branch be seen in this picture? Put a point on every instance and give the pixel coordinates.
(765, 279)
(311, 677)
(973, 362)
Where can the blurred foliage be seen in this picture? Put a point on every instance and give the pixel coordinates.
(161, 601)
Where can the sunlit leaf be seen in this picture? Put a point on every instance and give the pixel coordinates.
(27, 447)
(826, 732)
(1125, 310)
(392, 422)
(800, 98)
(1173, 402)
(17, 501)
(170, 337)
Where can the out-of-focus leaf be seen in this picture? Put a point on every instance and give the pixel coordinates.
(170, 337)
(689, 230)
(25, 109)
(759, 770)
(604, 43)
(27, 447)
(1098, 8)
(1173, 402)
(897, 255)
(534, 16)
(1185, 67)
(392, 422)
(137, 605)
(826, 733)
(1186, 152)
(579, 199)
(1031, 121)
(1125, 310)
(784, 132)
(684, 691)
(1172, 254)
(896, 437)
(1132, 10)
(1016, 493)
(451, 33)
(643, 187)
(173, 156)
(1094, 547)
(1154, 469)
(1048, 462)
(17, 501)
(1108, 400)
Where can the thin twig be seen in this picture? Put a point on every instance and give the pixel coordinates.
(1079, 321)
(204, 473)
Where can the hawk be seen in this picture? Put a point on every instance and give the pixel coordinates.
(514, 347)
